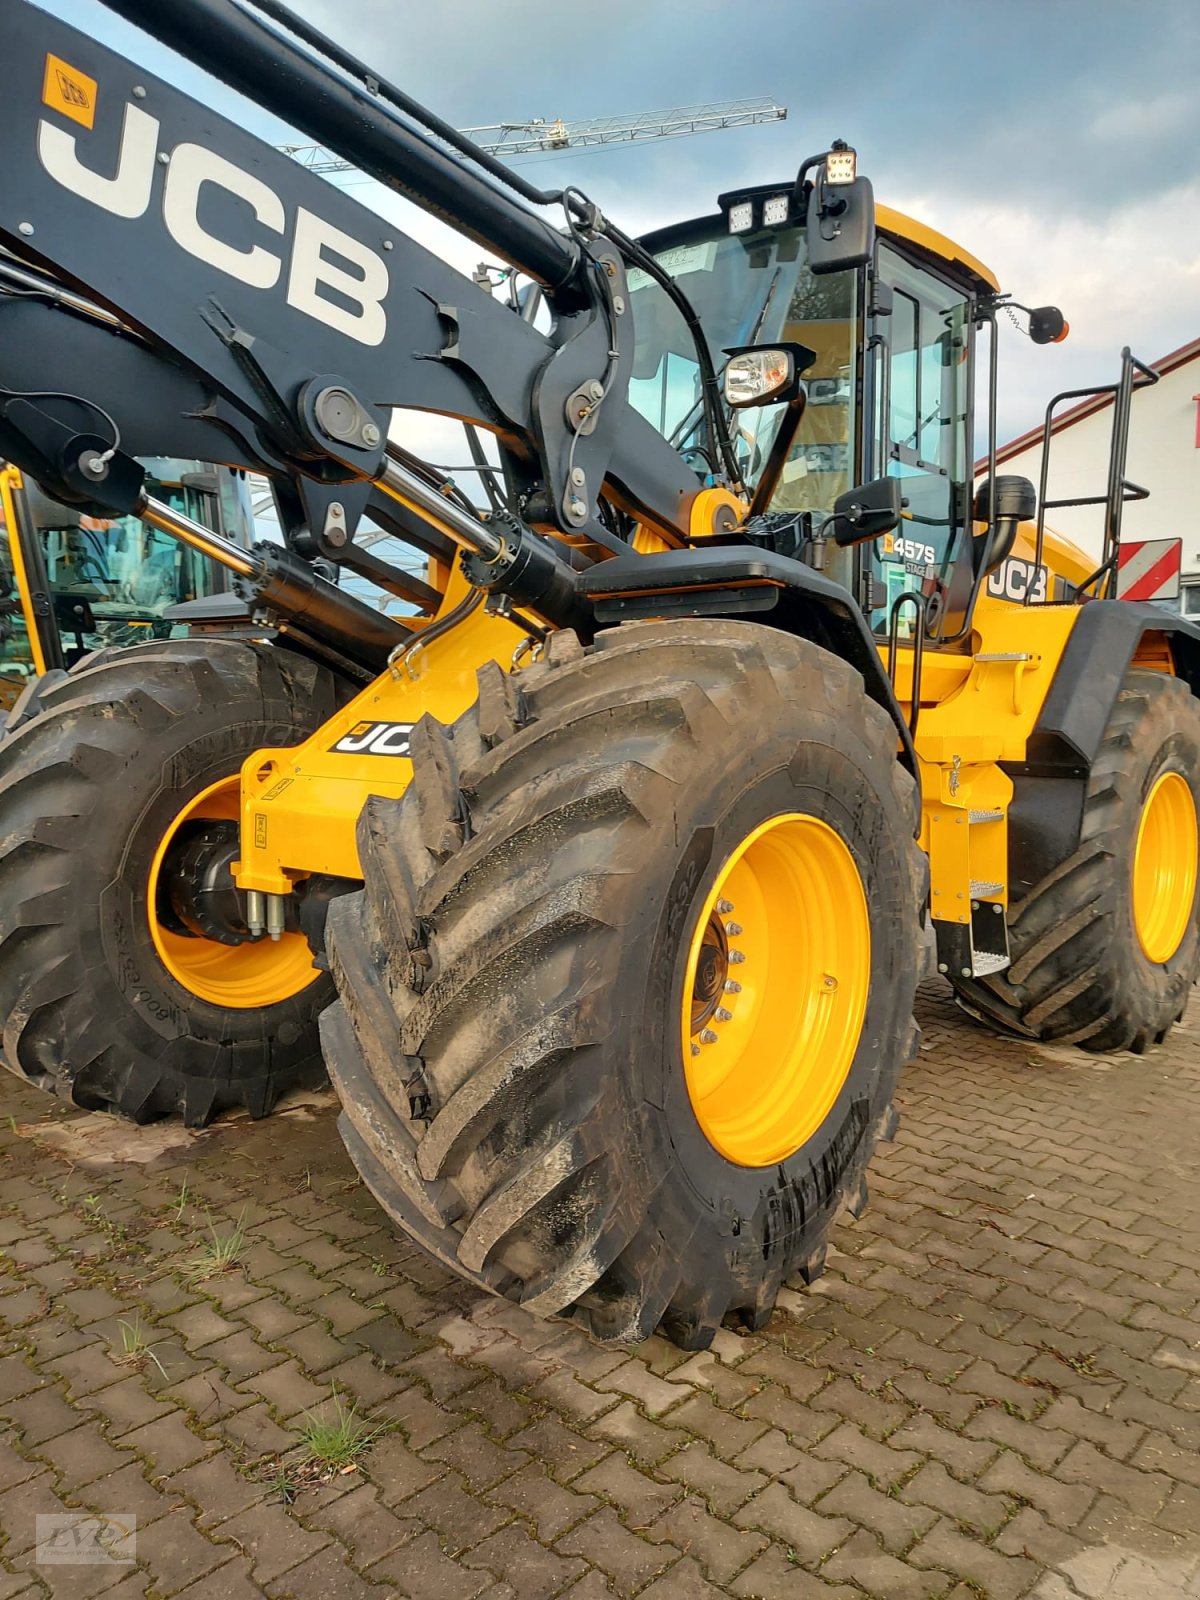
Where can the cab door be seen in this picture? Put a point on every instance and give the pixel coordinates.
(922, 352)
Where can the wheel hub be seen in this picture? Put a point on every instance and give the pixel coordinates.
(775, 989)
(1165, 867)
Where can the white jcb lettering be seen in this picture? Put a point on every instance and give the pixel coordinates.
(310, 269)
(355, 284)
(391, 740)
(353, 744)
(191, 167)
(1014, 579)
(127, 193)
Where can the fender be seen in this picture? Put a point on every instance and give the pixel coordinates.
(1050, 785)
(1088, 679)
(733, 581)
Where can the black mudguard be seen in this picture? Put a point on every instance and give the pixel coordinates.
(734, 581)
(1049, 785)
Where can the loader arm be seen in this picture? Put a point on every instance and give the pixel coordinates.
(240, 301)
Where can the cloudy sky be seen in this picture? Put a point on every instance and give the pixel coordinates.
(1058, 140)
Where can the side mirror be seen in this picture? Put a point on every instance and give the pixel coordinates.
(868, 511)
(840, 226)
(761, 375)
(1047, 325)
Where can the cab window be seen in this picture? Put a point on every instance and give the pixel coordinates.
(923, 436)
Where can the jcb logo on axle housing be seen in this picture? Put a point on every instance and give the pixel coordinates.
(375, 739)
(330, 276)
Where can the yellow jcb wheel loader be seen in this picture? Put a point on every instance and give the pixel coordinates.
(607, 878)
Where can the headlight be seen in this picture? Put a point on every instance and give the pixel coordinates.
(756, 376)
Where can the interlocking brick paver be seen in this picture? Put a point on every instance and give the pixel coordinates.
(933, 1486)
(809, 1533)
(535, 1572)
(167, 1444)
(423, 1571)
(399, 1471)
(776, 1575)
(1143, 1492)
(718, 1549)
(543, 1502)
(363, 1524)
(727, 1487)
(894, 1522)
(82, 1455)
(994, 1384)
(863, 1561)
(454, 1512)
(1065, 1504)
(879, 1461)
(230, 1582)
(1001, 1577)
(328, 1575)
(562, 1451)
(272, 1540)
(470, 1452)
(177, 1552)
(628, 1561)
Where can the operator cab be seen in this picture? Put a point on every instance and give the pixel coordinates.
(889, 391)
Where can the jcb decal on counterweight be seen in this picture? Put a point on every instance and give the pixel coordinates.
(375, 739)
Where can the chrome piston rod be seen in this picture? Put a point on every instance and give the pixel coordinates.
(406, 487)
(396, 481)
(190, 532)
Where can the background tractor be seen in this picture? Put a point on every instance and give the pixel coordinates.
(601, 886)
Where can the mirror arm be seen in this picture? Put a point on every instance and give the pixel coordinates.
(781, 445)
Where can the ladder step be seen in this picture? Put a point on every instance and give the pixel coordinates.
(980, 890)
(985, 816)
(985, 964)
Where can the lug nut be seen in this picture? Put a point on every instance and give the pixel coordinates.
(724, 907)
(731, 987)
(737, 957)
(733, 928)
(723, 1015)
(708, 1036)
(695, 1049)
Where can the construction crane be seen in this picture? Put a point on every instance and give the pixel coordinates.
(541, 135)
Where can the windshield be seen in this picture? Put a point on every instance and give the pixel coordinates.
(752, 289)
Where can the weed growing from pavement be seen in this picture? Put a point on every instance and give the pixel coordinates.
(221, 1253)
(135, 1347)
(335, 1442)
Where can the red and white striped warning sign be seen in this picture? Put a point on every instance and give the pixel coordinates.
(1149, 570)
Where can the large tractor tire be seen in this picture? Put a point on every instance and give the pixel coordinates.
(1105, 948)
(106, 998)
(623, 1003)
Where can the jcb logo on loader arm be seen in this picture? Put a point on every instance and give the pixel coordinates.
(321, 257)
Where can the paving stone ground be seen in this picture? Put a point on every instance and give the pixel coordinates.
(993, 1392)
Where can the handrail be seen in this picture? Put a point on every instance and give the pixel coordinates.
(1118, 490)
(917, 599)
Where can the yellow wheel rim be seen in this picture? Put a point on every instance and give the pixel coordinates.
(775, 990)
(1164, 867)
(239, 977)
